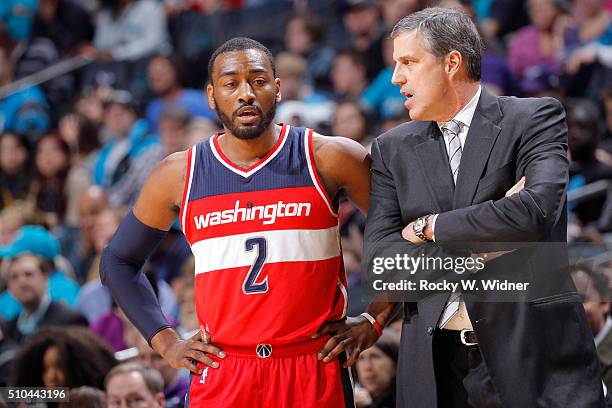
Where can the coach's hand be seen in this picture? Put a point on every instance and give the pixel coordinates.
(188, 353)
(354, 333)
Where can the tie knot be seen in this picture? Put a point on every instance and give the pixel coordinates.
(452, 127)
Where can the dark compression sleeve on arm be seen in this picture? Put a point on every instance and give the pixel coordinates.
(120, 271)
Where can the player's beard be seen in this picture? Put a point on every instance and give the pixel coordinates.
(247, 132)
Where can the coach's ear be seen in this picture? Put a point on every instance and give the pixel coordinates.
(210, 93)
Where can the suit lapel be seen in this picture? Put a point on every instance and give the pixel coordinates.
(479, 141)
(434, 160)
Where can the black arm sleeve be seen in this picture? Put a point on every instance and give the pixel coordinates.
(120, 271)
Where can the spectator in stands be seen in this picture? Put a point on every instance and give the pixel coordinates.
(376, 369)
(164, 76)
(534, 51)
(24, 111)
(65, 22)
(82, 253)
(15, 172)
(85, 397)
(393, 10)
(382, 97)
(348, 75)
(81, 135)
(363, 33)
(176, 382)
(52, 162)
(131, 382)
(28, 281)
(304, 36)
(63, 357)
(40, 243)
(506, 16)
(584, 133)
(173, 124)
(593, 287)
(128, 30)
(131, 136)
(351, 120)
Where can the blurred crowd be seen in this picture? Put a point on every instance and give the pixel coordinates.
(95, 93)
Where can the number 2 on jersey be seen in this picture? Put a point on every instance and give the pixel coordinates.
(250, 285)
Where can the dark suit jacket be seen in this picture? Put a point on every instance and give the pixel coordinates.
(58, 314)
(539, 353)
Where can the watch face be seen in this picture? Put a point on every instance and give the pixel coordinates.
(419, 224)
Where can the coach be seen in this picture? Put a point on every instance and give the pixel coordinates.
(473, 167)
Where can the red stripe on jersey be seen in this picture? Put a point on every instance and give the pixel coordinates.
(226, 159)
(301, 296)
(257, 211)
(185, 199)
(313, 166)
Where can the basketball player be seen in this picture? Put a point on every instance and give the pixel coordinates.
(256, 204)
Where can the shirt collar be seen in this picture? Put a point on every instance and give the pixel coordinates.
(604, 331)
(466, 114)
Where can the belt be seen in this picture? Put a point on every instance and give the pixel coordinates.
(466, 337)
(266, 350)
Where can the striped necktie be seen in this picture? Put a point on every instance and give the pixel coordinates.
(451, 130)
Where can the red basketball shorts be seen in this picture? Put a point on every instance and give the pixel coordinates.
(267, 376)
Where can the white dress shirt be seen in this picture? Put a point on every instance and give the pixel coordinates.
(461, 320)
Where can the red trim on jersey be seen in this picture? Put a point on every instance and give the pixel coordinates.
(319, 216)
(185, 200)
(222, 155)
(316, 173)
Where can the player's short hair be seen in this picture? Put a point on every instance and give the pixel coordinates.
(238, 44)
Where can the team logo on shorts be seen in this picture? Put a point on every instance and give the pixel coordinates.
(263, 350)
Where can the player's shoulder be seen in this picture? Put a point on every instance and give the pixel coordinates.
(172, 168)
(333, 148)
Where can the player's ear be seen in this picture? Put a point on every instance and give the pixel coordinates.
(210, 93)
(278, 89)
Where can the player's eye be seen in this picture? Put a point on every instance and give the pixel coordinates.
(260, 81)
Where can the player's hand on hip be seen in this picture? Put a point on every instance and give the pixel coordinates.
(192, 353)
(354, 333)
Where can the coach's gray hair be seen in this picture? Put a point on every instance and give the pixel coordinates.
(445, 30)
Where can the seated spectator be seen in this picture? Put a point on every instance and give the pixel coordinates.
(82, 253)
(39, 243)
(15, 172)
(392, 11)
(28, 282)
(303, 37)
(24, 111)
(128, 30)
(593, 286)
(129, 382)
(65, 22)
(176, 381)
(85, 397)
(172, 137)
(165, 82)
(63, 357)
(584, 132)
(539, 45)
(131, 136)
(362, 32)
(348, 75)
(52, 162)
(376, 369)
(351, 121)
(381, 96)
(200, 129)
